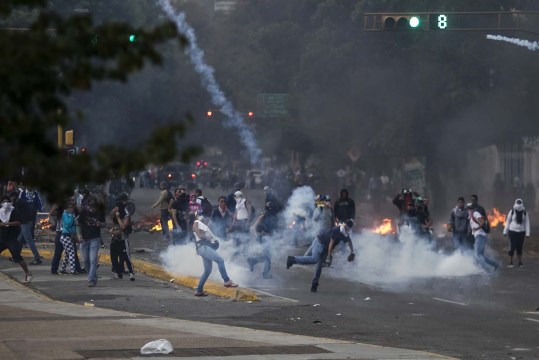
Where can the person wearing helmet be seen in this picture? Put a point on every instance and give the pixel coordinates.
(206, 247)
(323, 216)
(322, 250)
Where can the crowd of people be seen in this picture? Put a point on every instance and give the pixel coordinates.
(79, 222)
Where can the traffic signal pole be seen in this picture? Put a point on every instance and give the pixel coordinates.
(449, 21)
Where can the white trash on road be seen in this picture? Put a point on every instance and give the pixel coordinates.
(160, 346)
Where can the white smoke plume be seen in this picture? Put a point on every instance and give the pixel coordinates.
(531, 45)
(233, 118)
(300, 203)
(396, 264)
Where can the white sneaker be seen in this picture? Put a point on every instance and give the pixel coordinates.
(28, 278)
(131, 276)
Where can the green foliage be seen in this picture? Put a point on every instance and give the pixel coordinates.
(41, 66)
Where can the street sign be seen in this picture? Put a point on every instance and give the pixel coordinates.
(272, 105)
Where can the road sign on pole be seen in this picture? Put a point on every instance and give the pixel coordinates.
(272, 105)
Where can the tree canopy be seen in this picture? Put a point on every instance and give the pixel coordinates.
(46, 56)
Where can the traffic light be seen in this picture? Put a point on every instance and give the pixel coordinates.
(69, 141)
(401, 22)
(209, 113)
(132, 38)
(250, 114)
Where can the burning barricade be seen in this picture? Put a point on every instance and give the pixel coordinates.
(496, 218)
(150, 224)
(385, 228)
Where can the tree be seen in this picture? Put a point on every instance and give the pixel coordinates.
(45, 63)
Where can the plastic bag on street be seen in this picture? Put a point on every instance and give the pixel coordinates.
(160, 346)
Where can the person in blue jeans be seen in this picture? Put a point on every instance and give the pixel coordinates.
(27, 225)
(476, 223)
(206, 248)
(91, 220)
(321, 252)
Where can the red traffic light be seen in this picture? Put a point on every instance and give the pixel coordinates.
(250, 114)
(198, 163)
(193, 176)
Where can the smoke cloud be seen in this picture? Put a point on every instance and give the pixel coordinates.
(391, 264)
(233, 118)
(530, 45)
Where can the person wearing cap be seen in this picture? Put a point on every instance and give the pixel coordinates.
(206, 245)
(477, 221)
(322, 250)
(517, 225)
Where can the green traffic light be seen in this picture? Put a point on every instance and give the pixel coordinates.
(132, 38)
(414, 22)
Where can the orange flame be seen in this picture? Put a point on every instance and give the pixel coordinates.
(495, 217)
(157, 227)
(385, 228)
(44, 224)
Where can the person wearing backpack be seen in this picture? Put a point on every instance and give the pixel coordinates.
(164, 199)
(459, 225)
(517, 225)
(477, 224)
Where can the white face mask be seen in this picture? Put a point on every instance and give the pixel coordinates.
(5, 204)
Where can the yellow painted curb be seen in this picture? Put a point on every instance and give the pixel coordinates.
(156, 271)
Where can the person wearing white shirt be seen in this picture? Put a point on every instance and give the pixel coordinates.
(476, 223)
(517, 225)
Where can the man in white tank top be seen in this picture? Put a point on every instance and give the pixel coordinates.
(205, 243)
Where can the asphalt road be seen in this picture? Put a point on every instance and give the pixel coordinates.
(470, 317)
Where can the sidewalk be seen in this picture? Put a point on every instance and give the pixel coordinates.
(36, 327)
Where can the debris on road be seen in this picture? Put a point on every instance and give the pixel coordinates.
(160, 346)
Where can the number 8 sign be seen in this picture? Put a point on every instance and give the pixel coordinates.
(442, 22)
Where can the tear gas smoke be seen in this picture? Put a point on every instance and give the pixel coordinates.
(394, 265)
(299, 204)
(233, 118)
(531, 45)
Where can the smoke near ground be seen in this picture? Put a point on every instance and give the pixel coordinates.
(394, 264)
(233, 118)
(530, 45)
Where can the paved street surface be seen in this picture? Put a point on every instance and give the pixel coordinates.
(37, 327)
(472, 317)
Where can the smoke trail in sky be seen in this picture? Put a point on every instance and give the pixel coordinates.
(233, 118)
(531, 45)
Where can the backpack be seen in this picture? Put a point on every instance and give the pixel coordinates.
(486, 224)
